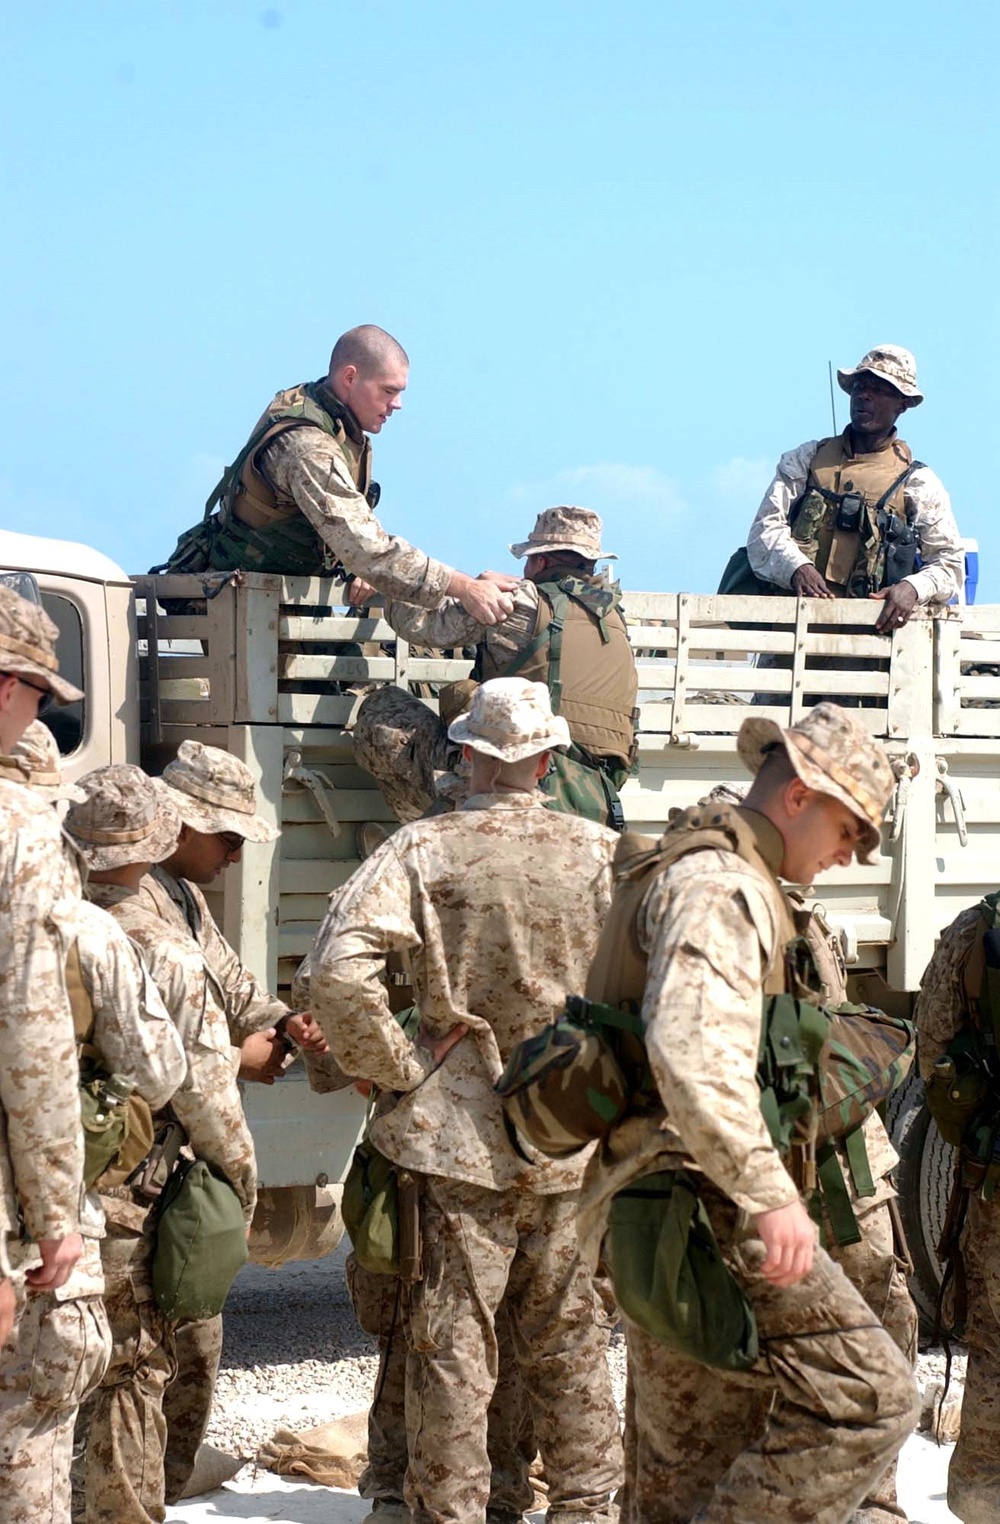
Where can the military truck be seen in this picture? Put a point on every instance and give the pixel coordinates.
(274, 669)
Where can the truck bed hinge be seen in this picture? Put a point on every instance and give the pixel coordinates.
(318, 785)
(950, 789)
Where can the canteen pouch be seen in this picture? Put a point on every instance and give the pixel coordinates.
(670, 1277)
(370, 1209)
(117, 1129)
(201, 1242)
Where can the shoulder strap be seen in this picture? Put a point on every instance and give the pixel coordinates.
(79, 1000)
(548, 633)
(901, 479)
(309, 411)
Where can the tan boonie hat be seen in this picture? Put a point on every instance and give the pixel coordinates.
(833, 753)
(36, 762)
(576, 529)
(213, 791)
(28, 646)
(893, 364)
(511, 719)
(125, 817)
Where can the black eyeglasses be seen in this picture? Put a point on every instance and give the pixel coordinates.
(47, 700)
(230, 840)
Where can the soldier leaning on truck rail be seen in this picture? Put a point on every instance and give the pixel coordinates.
(845, 517)
(497, 909)
(699, 937)
(566, 630)
(299, 498)
(41, 1138)
(164, 910)
(124, 1027)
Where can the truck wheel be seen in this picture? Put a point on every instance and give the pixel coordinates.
(923, 1180)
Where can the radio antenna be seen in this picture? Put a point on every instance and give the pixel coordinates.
(833, 408)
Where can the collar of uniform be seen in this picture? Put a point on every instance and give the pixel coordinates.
(179, 894)
(770, 843)
(109, 894)
(341, 410)
(521, 800)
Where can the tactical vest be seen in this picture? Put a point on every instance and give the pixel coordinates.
(257, 528)
(580, 649)
(852, 520)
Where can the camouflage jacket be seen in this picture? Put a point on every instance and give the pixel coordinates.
(709, 930)
(496, 909)
(249, 1008)
(207, 1103)
(310, 467)
(41, 1149)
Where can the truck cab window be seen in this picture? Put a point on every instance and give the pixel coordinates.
(67, 724)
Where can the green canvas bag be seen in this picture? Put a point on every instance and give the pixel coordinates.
(670, 1277)
(201, 1242)
(370, 1209)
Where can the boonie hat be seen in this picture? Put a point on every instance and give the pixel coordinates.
(125, 817)
(576, 529)
(511, 719)
(834, 754)
(36, 758)
(894, 364)
(28, 646)
(213, 791)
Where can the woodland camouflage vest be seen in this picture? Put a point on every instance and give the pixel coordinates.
(257, 528)
(851, 520)
(581, 651)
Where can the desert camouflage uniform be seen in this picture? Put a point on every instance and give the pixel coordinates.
(311, 468)
(974, 1471)
(497, 909)
(209, 1108)
(43, 1163)
(840, 1395)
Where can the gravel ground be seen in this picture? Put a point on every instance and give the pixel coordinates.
(294, 1357)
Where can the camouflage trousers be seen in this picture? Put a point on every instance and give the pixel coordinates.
(482, 1250)
(804, 1435)
(974, 1473)
(405, 747)
(55, 1356)
(149, 1415)
(378, 1306)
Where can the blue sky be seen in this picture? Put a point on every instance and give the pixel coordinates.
(620, 244)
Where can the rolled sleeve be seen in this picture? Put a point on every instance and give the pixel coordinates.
(942, 555)
(771, 550)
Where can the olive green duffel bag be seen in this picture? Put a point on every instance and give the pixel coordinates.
(669, 1275)
(201, 1242)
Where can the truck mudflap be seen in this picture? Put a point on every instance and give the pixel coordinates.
(295, 1222)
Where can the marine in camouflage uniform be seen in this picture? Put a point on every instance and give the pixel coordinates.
(711, 929)
(876, 1266)
(129, 820)
(943, 1011)
(496, 909)
(299, 498)
(405, 746)
(41, 1140)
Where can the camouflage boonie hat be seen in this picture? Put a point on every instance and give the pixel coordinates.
(28, 646)
(893, 364)
(125, 817)
(833, 753)
(36, 762)
(511, 719)
(213, 791)
(562, 1089)
(564, 528)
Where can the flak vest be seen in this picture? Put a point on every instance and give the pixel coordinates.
(853, 521)
(580, 649)
(257, 528)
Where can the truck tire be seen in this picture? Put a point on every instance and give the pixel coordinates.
(923, 1180)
